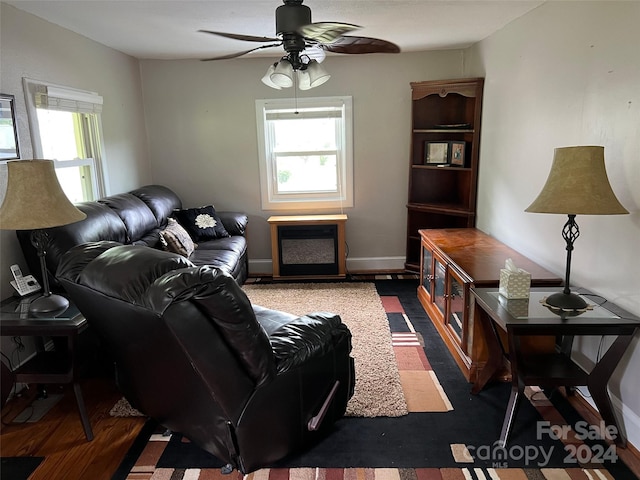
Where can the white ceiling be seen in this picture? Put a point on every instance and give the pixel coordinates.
(168, 29)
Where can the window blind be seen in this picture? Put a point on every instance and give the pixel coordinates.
(67, 99)
(303, 114)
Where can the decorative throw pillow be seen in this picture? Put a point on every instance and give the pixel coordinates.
(202, 223)
(175, 239)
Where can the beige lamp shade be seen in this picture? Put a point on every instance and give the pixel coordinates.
(577, 184)
(34, 198)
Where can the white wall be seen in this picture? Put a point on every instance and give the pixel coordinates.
(567, 73)
(203, 142)
(33, 48)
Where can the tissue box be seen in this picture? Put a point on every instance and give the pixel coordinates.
(514, 284)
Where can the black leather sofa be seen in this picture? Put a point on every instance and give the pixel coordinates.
(137, 218)
(245, 383)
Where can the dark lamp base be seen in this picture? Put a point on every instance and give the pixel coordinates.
(49, 304)
(566, 302)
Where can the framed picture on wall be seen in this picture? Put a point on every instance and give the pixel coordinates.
(457, 153)
(9, 149)
(436, 153)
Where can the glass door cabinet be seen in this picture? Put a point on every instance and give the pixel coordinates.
(444, 293)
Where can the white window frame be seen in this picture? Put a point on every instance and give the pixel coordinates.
(271, 199)
(68, 99)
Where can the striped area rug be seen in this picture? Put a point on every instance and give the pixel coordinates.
(420, 385)
(440, 438)
(378, 474)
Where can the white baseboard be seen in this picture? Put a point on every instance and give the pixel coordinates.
(375, 264)
(260, 266)
(631, 421)
(263, 266)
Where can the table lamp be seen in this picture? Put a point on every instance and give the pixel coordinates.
(34, 201)
(577, 185)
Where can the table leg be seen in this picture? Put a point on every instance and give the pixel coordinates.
(512, 408)
(598, 380)
(83, 412)
(495, 351)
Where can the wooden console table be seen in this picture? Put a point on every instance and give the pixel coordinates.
(452, 261)
(324, 236)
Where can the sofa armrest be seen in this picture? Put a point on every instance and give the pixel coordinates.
(234, 222)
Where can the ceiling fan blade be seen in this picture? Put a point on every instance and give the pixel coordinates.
(358, 45)
(326, 32)
(239, 54)
(237, 36)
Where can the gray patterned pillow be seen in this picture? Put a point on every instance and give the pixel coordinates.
(175, 239)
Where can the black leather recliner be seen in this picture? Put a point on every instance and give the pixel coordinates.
(248, 384)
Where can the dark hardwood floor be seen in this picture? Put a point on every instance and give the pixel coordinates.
(59, 436)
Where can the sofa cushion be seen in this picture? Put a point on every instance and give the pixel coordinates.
(202, 223)
(234, 222)
(235, 244)
(135, 214)
(161, 201)
(175, 239)
(226, 261)
(150, 239)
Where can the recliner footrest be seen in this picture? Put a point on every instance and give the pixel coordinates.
(316, 420)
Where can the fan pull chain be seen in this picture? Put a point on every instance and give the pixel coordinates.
(295, 91)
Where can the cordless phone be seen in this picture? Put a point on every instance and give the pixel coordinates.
(23, 285)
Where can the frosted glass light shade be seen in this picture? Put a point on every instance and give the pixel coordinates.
(304, 81)
(283, 74)
(317, 74)
(267, 78)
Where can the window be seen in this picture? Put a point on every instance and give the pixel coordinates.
(305, 153)
(66, 128)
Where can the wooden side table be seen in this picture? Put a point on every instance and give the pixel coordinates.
(47, 367)
(308, 246)
(522, 319)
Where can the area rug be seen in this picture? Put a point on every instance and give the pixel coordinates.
(454, 439)
(378, 391)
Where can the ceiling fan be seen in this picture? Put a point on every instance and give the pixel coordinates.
(305, 44)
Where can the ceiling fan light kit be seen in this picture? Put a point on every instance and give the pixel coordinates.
(282, 75)
(305, 43)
